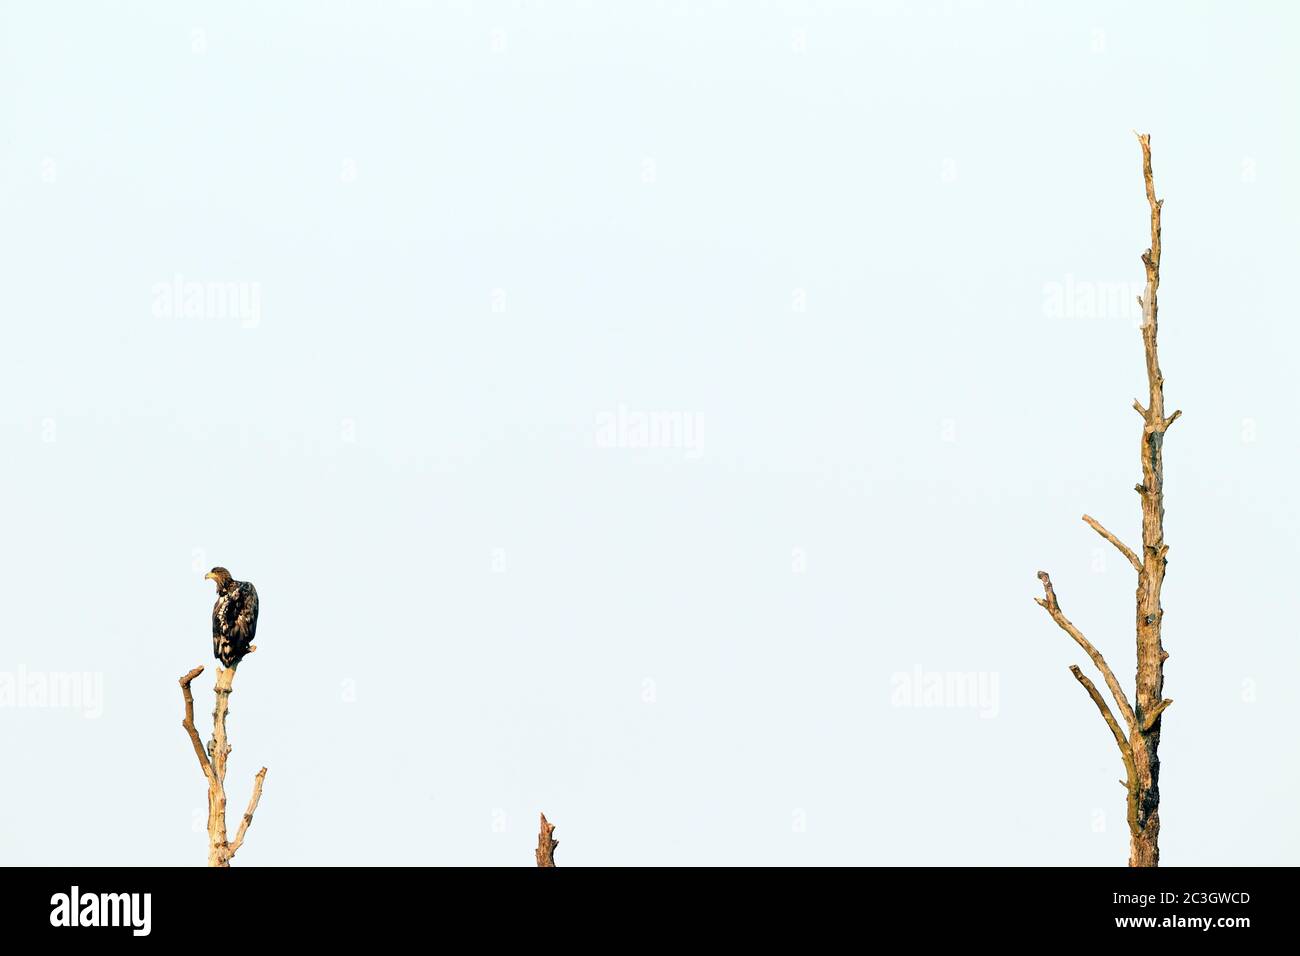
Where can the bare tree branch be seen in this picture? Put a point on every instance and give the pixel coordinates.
(1125, 751)
(545, 851)
(1149, 720)
(1054, 609)
(248, 814)
(1124, 549)
(188, 721)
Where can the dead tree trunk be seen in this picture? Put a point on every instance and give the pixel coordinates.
(1139, 738)
(546, 844)
(213, 764)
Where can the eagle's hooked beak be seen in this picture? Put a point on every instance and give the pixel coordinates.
(209, 577)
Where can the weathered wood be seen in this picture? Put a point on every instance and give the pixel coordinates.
(546, 845)
(1151, 656)
(1139, 750)
(213, 764)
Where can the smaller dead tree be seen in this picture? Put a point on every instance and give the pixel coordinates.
(546, 845)
(213, 764)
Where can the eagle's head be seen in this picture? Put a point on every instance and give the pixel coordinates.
(221, 576)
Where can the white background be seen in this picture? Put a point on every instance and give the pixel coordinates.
(836, 239)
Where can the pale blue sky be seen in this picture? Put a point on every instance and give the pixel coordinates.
(826, 236)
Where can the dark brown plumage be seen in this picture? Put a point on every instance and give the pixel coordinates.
(234, 617)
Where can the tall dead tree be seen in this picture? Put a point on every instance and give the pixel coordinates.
(213, 764)
(1139, 737)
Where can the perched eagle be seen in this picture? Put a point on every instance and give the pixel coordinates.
(234, 617)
